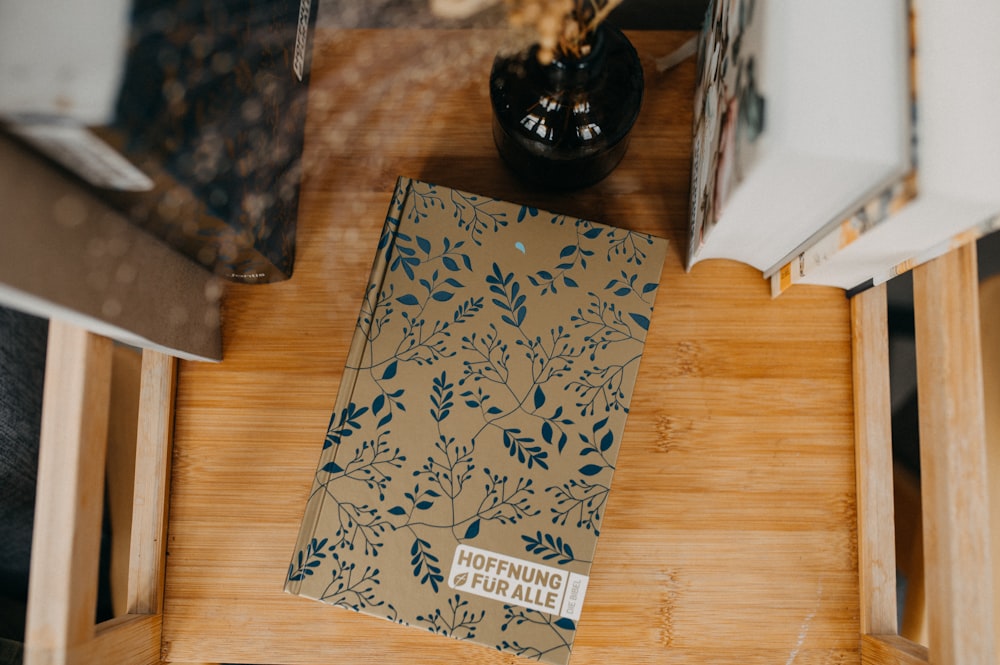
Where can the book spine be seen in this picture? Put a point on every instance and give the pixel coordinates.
(702, 156)
(821, 248)
(824, 248)
(355, 355)
(958, 240)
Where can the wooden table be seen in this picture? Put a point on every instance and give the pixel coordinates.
(730, 535)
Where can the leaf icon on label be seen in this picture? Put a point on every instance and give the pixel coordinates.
(460, 579)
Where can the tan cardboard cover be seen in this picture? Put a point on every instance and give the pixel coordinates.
(469, 458)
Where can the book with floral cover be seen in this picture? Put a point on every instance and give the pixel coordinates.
(469, 458)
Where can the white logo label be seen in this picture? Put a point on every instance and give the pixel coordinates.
(518, 582)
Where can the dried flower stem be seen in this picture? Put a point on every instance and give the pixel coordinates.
(601, 10)
(563, 27)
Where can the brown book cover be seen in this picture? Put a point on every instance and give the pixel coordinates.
(469, 457)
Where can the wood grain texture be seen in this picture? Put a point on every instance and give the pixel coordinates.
(989, 326)
(132, 639)
(958, 574)
(152, 483)
(873, 434)
(730, 534)
(62, 594)
(65, 551)
(891, 650)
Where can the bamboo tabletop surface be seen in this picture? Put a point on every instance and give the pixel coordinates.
(730, 534)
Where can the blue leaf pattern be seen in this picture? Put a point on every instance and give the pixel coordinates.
(520, 410)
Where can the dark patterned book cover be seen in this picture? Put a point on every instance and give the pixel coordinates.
(468, 462)
(204, 145)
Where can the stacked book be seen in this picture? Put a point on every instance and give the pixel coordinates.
(844, 143)
(186, 116)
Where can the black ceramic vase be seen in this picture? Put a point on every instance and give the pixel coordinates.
(566, 125)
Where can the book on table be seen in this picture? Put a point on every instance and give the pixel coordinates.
(823, 153)
(468, 461)
(188, 116)
(951, 197)
(801, 110)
